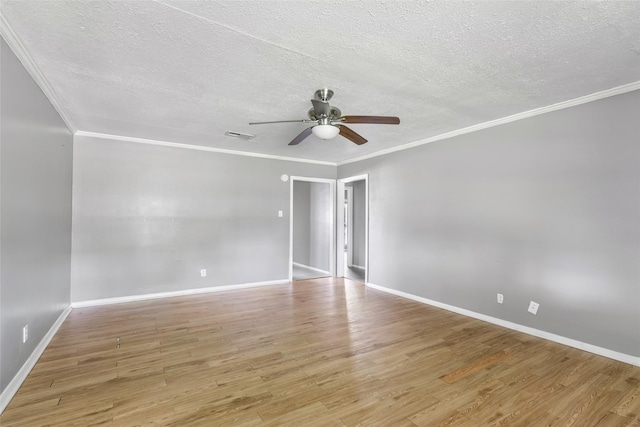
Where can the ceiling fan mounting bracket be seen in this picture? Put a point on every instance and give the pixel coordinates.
(323, 95)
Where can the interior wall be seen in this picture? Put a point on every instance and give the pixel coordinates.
(320, 226)
(301, 222)
(543, 209)
(35, 219)
(147, 218)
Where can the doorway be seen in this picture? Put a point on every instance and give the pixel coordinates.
(353, 217)
(312, 228)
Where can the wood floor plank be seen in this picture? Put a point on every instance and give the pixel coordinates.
(325, 352)
(475, 366)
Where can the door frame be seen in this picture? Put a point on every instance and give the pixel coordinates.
(349, 224)
(332, 220)
(340, 267)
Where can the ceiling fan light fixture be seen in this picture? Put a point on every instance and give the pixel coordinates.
(325, 131)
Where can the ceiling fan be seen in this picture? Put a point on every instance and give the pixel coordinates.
(329, 121)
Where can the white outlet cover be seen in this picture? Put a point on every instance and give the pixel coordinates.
(280, 214)
(203, 272)
(500, 298)
(25, 333)
(533, 307)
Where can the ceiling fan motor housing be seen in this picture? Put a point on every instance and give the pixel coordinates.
(334, 114)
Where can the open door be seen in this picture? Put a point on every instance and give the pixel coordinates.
(312, 228)
(353, 221)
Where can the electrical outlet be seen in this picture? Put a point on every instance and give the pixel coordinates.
(280, 214)
(203, 272)
(533, 307)
(500, 298)
(25, 333)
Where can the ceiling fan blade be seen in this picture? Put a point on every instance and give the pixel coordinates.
(351, 135)
(378, 120)
(321, 108)
(284, 121)
(298, 139)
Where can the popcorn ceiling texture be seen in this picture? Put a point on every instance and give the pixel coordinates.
(187, 71)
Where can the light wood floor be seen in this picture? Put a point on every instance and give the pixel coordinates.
(325, 352)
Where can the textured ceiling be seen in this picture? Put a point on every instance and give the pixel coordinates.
(187, 71)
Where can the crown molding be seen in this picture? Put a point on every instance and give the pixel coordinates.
(199, 147)
(18, 49)
(618, 90)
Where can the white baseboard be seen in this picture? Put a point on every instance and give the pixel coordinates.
(359, 267)
(611, 354)
(16, 382)
(297, 264)
(132, 298)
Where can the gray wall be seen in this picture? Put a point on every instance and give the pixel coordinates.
(544, 209)
(147, 218)
(359, 222)
(35, 220)
(311, 224)
(301, 222)
(320, 226)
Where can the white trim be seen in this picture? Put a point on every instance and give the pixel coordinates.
(611, 354)
(18, 49)
(519, 116)
(359, 267)
(348, 221)
(332, 220)
(362, 177)
(144, 297)
(340, 254)
(366, 229)
(297, 264)
(18, 379)
(290, 229)
(469, 129)
(198, 147)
